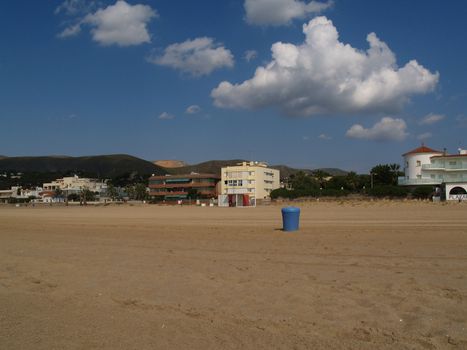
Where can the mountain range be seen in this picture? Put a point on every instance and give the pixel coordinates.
(111, 166)
(214, 167)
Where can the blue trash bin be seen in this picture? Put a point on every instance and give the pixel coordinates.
(290, 218)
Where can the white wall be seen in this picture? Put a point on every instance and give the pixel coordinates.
(413, 164)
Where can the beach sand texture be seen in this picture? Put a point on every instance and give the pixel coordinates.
(358, 275)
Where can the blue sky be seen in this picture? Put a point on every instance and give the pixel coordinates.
(283, 81)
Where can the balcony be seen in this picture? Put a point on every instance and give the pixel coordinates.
(402, 181)
(444, 167)
(455, 178)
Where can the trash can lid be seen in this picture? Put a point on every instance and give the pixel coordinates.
(290, 210)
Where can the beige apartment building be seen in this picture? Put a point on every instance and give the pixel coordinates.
(253, 180)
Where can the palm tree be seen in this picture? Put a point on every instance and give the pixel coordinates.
(395, 169)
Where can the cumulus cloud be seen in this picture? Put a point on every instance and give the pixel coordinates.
(280, 12)
(424, 136)
(387, 129)
(326, 76)
(250, 55)
(431, 119)
(200, 56)
(165, 116)
(120, 24)
(193, 109)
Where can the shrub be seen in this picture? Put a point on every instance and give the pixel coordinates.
(422, 192)
(388, 191)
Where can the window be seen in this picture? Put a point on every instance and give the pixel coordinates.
(452, 162)
(419, 163)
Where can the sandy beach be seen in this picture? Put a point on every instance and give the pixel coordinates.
(358, 275)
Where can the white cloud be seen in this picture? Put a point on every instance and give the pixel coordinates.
(431, 119)
(193, 109)
(280, 12)
(165, 116)
(387, 129)
(324, 137)
(326, 76)
(250, 55)
(120, 24)
(75, 7)
(424, 136)
(70, 31)
(200, 56)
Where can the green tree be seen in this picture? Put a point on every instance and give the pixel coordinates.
(58, 192)
(130, 191)
(383, 174)
(112, 191)
(303, 182)
(140, 192)
(352, 181)
(320, 176)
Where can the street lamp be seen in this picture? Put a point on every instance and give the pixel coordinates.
(371, 176)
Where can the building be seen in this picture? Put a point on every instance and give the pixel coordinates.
(248, 182)
(17, 192)
(447, 172)
(179, 187)
(75, 184)
(413, 161)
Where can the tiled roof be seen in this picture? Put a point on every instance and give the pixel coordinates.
(421, 149)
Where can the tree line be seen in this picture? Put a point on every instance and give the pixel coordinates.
(380, 182)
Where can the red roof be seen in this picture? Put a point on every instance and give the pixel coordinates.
(421, 149)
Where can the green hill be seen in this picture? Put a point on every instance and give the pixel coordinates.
(104, 166)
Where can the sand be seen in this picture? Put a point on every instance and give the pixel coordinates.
(358, 275)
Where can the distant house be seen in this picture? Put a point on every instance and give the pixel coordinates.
(5, 195)
(179, 187)
(447, 172)
(19, 193)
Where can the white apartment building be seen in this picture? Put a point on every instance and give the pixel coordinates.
(253, 180)
(76, 184)
(425, 166)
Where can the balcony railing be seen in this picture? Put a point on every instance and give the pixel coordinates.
(449, 178)
(446, 166)
(454, 178)
(402, 181)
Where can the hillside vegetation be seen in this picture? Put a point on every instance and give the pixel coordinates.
(104, 166)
